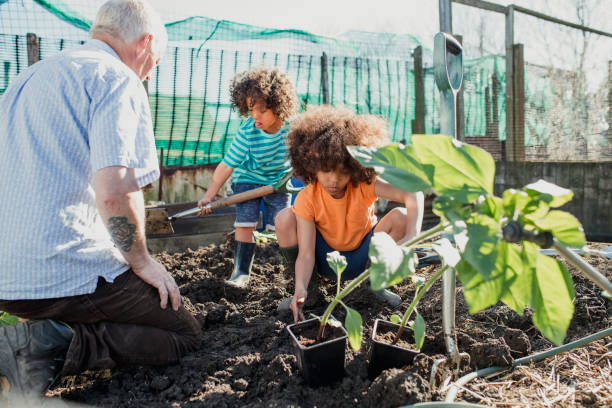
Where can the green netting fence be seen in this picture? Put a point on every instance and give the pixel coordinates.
(189, 91)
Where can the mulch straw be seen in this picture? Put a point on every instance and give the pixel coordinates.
(582, 377)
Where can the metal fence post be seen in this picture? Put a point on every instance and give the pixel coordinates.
(609, 135)
(418, 123)
(510, 148)
(324, 79)
(518, 87)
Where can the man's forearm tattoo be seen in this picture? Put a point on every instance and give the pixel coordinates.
(122, 233)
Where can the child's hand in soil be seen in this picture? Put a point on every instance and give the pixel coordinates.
(297, 305)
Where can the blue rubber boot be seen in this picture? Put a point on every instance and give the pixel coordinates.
(244, 252)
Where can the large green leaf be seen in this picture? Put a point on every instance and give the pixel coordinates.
(545, 286)
(354, 327)
(553, 297)
(390, 263)
(395, 164)
(481, 293)
(449, 208)
(551, 193)
(482, 246)
(518, 204)
(461, 170)
(520, 266)
(564, 226)
(491, 206)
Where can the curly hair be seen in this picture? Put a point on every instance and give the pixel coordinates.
(268, 85)
(318, 138)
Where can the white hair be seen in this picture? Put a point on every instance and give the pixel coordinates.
(129, 20)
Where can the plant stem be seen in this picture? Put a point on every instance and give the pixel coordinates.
(348, 289)
(418, 295)
(365, 274)
(427, 234)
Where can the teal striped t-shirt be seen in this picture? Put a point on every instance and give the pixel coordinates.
(258, 157)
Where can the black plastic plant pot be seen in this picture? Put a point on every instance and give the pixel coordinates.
(321, 363)
(385, 355)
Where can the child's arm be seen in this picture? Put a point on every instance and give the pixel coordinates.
(304, 265)
(220, 176)
(414, 203)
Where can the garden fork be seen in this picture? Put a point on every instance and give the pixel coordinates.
(448, 71)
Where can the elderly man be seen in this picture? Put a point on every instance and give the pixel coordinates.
(78, 146)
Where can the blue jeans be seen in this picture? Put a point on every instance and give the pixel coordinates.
(357, 259)
(247, 213)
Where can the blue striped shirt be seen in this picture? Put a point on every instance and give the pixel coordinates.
(61, 120)
(257, 156)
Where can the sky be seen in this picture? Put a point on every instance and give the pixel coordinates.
(546, 44)
(333, 17)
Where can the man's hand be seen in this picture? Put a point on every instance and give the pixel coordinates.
(297, 305)
(156, 275)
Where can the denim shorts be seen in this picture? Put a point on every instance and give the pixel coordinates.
(357, 259)
(247, 213)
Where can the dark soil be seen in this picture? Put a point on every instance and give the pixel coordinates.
(387, 335)
(307, 333)
(247, 359)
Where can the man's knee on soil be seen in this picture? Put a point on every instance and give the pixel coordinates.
(194, 336)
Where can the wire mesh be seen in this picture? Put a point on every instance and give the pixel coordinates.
(566, 103)
(566, 82)
(566, 91)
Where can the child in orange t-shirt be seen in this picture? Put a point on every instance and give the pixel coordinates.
(335, 211)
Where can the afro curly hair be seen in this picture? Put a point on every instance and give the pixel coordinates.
(268, 85)
(318, 139)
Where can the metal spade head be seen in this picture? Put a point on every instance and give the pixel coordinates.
(448, 62)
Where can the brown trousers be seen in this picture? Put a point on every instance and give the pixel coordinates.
(120, 323)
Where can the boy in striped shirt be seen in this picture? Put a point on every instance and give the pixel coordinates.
(256, 157)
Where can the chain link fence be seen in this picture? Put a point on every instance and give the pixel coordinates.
(567, 112)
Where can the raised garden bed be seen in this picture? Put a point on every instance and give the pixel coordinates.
(247, 358)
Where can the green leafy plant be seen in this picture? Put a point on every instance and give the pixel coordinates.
(7, 319)
(489, 268)
(352, 322)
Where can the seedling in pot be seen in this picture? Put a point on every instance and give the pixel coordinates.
(322, 360)
(352, 322)
(442, 246)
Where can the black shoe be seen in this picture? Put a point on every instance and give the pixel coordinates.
(387, 296)
(290, 254)
(32, 356)
(244, 252)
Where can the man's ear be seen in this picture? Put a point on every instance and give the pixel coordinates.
(145, 43)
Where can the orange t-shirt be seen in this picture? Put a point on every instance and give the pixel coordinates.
(343, 222)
